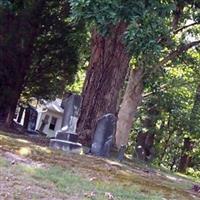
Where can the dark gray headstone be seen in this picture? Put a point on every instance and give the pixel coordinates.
(103, 136)
(71, 111)
(21, 111)
(33, 114)
(45, 121)
(66, 139)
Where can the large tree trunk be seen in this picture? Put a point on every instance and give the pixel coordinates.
(131, 100)
(11, 109)
(105, 77)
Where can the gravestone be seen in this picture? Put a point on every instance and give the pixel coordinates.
(144, 146)
(103, 136)
(30, 119)
(33, 114)
(45, 121)
(66, 139)
(71, 110)
(21, 111)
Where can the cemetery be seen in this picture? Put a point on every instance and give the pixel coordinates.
(99, 100)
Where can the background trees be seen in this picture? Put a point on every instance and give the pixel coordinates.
(39, 51)
(166, 43)
(171, 95)
(20, 26)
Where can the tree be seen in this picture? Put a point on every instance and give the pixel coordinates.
(116, 36)
(186, 157)
(45, 42)
(19, 27)
(172, 92)
(175, 47)
(56, 53)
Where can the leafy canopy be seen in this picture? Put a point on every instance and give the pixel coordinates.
(146, 20)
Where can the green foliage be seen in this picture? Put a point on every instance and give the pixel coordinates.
(55, 57)
(174, 93)
(50, 59)
(193, 173)
(146, 20)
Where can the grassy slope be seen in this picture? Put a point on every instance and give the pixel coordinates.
(55, 175)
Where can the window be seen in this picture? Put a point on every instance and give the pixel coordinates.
(53, 123)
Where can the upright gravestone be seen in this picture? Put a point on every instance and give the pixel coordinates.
(66, 139)
(33, 114)
(103, 136)
(21, 111)
(71, 110)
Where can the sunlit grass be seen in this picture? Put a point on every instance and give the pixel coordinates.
(111, 176)
(24, 151)
(68, 182)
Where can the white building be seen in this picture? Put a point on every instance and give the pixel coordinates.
(49, 118)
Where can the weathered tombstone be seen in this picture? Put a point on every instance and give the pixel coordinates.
(21, 111)
(66, 145)
(45, 121)
(66, 139)
(72, 137)
(33, 114)
(71, 110)
(103, 136)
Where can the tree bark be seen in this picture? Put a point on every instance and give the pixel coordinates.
(131, 101)
(133, 94)
(11, 109)
(104, 79)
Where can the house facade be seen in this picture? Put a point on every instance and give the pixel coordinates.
(50, 118)
(46, 118)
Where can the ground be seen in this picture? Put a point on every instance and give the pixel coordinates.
(29, 170)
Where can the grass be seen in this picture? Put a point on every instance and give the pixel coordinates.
(73, 185)
(70, 174)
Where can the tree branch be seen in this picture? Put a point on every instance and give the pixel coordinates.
(186, 26)
(180, 49)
